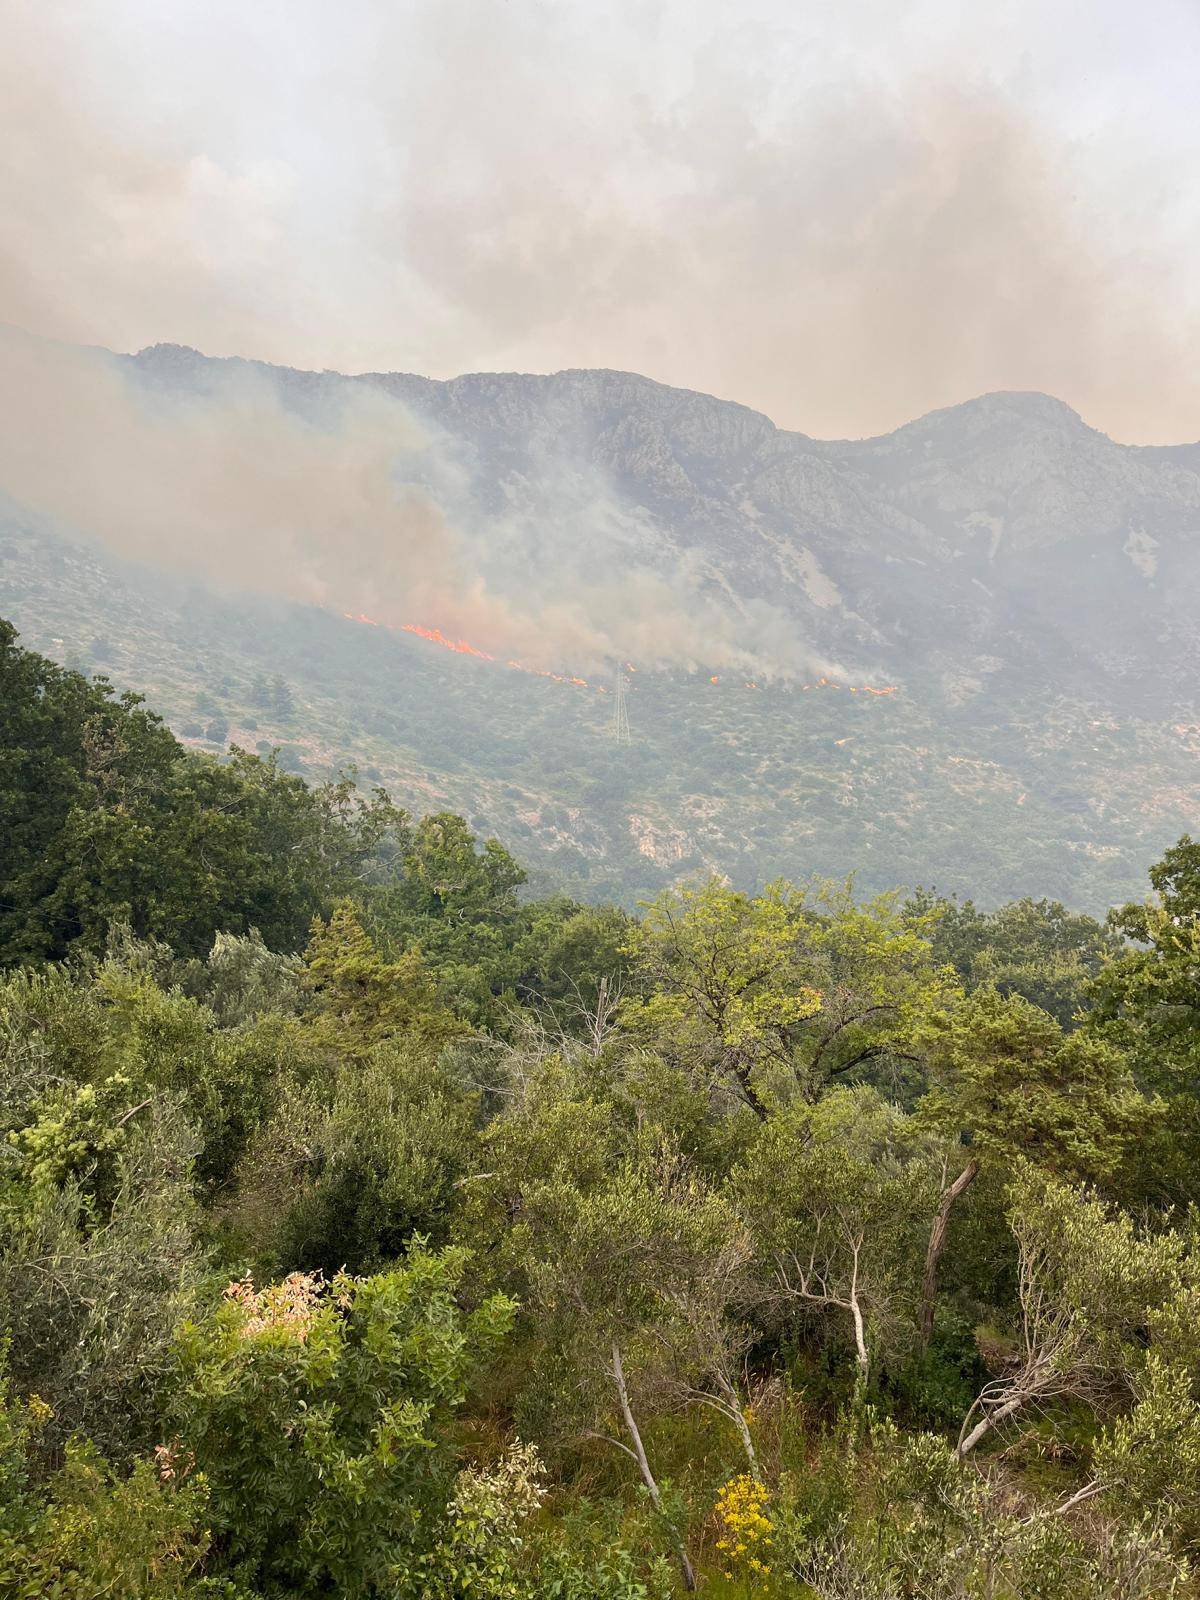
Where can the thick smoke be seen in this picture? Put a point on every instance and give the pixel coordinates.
(844, 214)
(351, 502)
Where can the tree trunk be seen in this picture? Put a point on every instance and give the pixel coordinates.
(937, 1244)
(738, 1418)
(862, 1355)
(990, 1420)
(639, 1451)
(741, 1076)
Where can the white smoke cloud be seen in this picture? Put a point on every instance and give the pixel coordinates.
(354, 504)
(844, 214)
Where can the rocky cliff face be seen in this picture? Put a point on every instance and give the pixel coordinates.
(1029, 585)
(1003, 532)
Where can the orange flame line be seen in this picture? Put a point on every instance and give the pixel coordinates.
(436, 636)
(462, 647)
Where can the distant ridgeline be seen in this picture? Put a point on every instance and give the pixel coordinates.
(1009, 590)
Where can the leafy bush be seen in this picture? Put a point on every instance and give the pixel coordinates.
(316, 1413)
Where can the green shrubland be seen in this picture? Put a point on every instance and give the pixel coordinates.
(371, 1228)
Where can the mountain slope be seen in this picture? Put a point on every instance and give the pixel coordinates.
(1026, 583)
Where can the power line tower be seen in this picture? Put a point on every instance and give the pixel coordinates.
(620, 716)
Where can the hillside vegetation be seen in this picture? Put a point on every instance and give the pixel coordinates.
(1030, 797)
(371, 1227)
(1022, 581)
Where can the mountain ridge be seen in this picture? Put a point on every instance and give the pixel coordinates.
(1040, 398)
(1025, 580)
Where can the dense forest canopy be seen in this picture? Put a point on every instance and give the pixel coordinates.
(370, 1228)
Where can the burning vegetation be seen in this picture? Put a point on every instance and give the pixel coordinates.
(463, 648)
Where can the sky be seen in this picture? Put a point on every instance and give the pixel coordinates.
(842, 214)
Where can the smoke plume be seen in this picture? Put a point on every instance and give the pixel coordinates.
(353, 503)
(843, 214)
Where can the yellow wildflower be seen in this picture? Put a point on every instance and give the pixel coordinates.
(741, 1507)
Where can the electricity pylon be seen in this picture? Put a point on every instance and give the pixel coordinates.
(620, 716)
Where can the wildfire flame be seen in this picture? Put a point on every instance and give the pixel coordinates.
(463, 648)
(541, 672)
(436, 636)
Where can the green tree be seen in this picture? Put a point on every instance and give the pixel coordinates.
(1006, 1084)
(1034, 948)
(110, 1037)
(360, 1000)
(352, 1180)
(317, 1415)
(621, 1281)
(457, 900)
(1147, 1461)
(98, 1533)
(104, 818)
(836, 1203)
(1089, 1282)
(97, 1264)
(241, 980)
(69, 753)
(784, 992)
(1147, 1003)
(86, 1530)
(573, 960)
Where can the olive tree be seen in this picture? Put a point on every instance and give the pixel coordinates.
(1006, 1085)
(835, 1201)
(1088, 1282)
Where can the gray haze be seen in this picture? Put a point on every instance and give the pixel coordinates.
(332, 492)
(1018, 590)
(842, 214)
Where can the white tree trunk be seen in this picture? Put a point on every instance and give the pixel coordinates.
(862, 1354)
(738, 1417)
(862, 1357)
(990, 1420)
(639, 1453)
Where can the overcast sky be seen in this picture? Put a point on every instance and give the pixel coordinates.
(843, 214)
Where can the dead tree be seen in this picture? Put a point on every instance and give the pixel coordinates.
(823, 1281)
